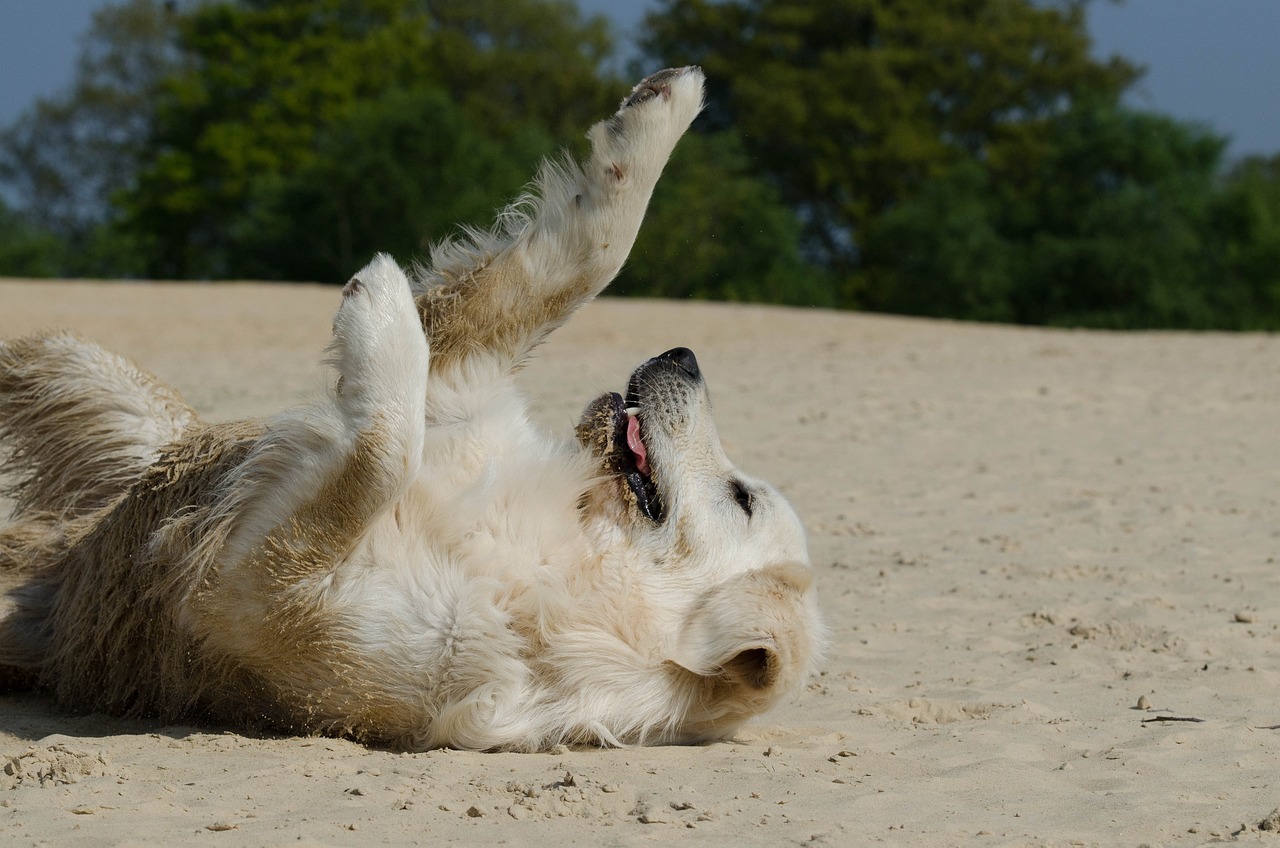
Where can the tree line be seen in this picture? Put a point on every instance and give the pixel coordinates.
(955, 158)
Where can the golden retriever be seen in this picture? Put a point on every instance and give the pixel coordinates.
(410, 561)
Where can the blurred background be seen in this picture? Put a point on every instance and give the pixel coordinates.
(1069, 163)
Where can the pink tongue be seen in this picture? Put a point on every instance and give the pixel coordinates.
(637, 446)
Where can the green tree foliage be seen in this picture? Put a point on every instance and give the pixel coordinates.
(1112, 232)
(1244, 223)
(259, 80)
(1120, 215)
(511, 62)
(852, 106)
(944, 254)
(969, 159)
(1128, 225)
(715, 230)
(69, 156)
(25, 250)
(263, 82)
(394, 175)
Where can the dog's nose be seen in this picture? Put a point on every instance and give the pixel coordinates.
(682, 358)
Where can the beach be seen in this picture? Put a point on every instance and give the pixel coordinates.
(1048, 560)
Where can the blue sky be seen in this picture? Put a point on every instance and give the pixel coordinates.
(1213, 61)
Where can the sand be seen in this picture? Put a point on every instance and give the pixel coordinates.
(1018, 534)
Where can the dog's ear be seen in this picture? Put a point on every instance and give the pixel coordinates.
(755, 668)
(751, 630)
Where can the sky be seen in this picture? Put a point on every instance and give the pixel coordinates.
(1212, 61)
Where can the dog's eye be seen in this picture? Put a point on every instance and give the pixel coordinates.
(743, 496)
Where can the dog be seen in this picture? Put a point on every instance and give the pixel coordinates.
(410, 562)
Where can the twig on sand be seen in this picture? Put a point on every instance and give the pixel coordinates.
(1172, 718)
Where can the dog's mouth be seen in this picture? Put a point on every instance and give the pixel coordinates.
(613, 429)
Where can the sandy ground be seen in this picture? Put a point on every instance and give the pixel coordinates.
(1018, 534)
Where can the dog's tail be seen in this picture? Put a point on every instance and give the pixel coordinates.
(78, 424)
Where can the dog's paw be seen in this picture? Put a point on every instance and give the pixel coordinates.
(379, 286)
(657, 85)
(674, 93)
(379, 347)
(657, 111)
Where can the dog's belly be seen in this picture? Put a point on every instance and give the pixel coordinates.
(426, 619)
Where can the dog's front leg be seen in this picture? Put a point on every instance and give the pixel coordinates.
(320, 474)
(499, 296)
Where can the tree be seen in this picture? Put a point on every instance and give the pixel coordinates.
(945, 252)
(69, 156)
(25, 250)
(258, 81)
(1244, 225)
(395, 175)
(715, 230)
(1115, 223)
(190, 122)
(262, 81)
(1112, 231)
(853, 106)
(511, 62)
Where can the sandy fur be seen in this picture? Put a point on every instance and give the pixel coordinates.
(410, 561)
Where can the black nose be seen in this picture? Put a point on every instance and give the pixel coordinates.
(682, 358)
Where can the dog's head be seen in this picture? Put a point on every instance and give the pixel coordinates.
(668, 484)
(727, 551)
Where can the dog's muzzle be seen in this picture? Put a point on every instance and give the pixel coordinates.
(613, 427)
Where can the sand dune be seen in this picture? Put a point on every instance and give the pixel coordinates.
(1018, 534)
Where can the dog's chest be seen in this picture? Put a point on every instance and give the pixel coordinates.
(492, 501)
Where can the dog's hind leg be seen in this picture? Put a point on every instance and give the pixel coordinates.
(320, 474)
(79, 424)
(501, 293)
